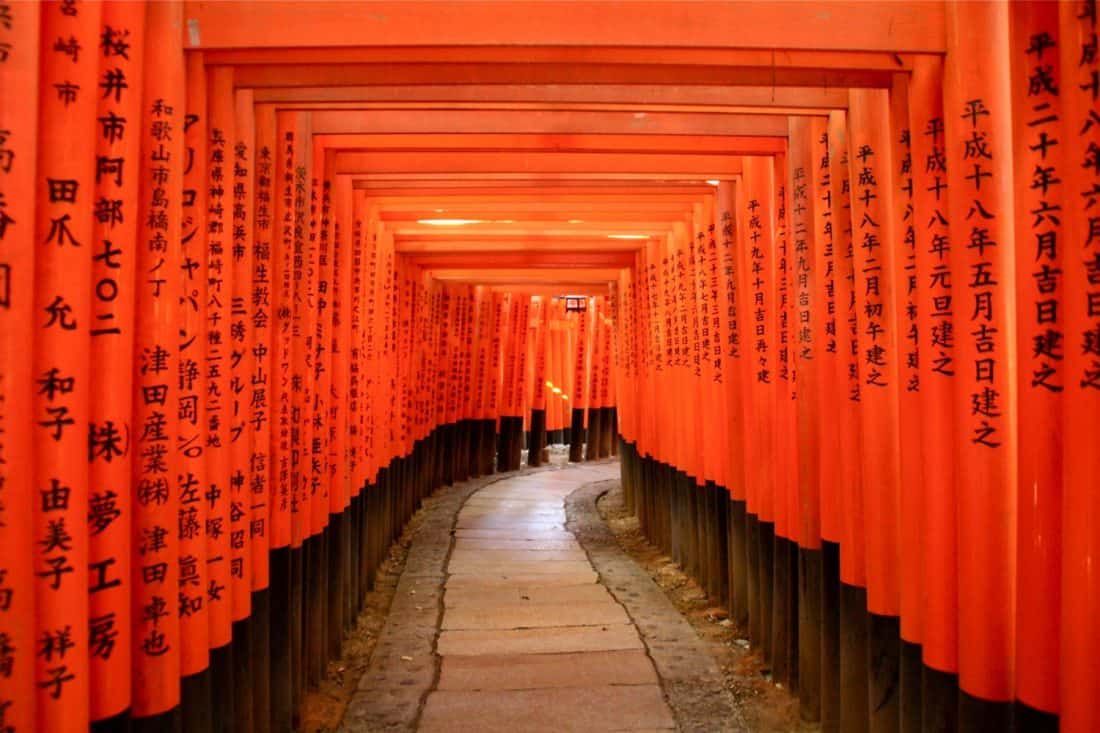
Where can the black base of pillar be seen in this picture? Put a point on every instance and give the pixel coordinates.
(221, 688)
(170, 721)
(811, 575)
(854, 650)
(884, 660)
(576, 436)
(830, 638)
(909, 679)
(120, 723)
(984, 716)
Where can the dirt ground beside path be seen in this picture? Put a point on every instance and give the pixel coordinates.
(767, 708)
(323, 708)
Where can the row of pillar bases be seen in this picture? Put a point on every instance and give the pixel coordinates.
(849, 668)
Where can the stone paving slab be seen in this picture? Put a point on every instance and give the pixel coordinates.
(539, 641)
(511, 533)
(531, 671)
(527, 615)
(531, 567)
(630, 707)
(509, 544)
(482, 555)
(532, 580)
(481, 596)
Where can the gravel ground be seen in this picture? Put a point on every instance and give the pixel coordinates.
(764, 707)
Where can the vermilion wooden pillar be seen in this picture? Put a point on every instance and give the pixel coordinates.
(216, 363)
(829, 401)
(1038, 198)
(760, 368)
(910, 550)
(852, 600)
(157, 568)
(64, 189)
(241, 425)
(787, 515)
(195, 690)
(113, 279)
(285, 602)
(1080, 643)
(578, 395)
(977, 116)
(807, 352)
(938, 367)
(261, 315)
(729, 358)
(19, 187)
(876, 261)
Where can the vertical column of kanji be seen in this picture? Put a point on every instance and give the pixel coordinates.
(908, 389)
(322, 233)
(703, 460)
(978, 147)
(828, 405)
(61, 348)
(217, 364)
(785, 567)
(681, 238)
(851, 712)
(355, 310)
(114, 242)
(19, 39)
(156, 683)
(726, 312)
(260, 312)
(191, 409)
(1038, 199)
(1080, 311)
(808, 349)
(876, 249)
(936, 326)
(242, 431)
(478, 369)
(712, 401)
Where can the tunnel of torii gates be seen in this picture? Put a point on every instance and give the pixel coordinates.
(270, 273)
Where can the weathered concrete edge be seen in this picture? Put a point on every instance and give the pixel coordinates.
(689, 676)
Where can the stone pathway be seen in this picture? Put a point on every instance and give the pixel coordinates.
(529, 640)
(517, 611)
